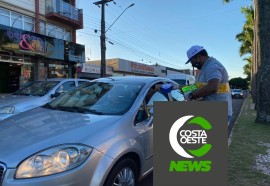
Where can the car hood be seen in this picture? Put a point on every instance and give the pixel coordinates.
(35, 130)
(12, 100)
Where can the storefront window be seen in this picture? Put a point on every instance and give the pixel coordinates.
(26, 74)
(59, 71)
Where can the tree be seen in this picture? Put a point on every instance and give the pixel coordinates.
(262, 35)
(247, 67)
(261, 60)
(246, 36)
(239, 83)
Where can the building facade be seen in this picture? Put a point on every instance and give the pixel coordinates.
(122, 67)
(38, 41)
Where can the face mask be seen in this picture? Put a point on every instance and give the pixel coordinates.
(197, 65)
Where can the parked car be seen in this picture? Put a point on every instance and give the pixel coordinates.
(35, 94)
(100, 133)
(237, 93)
(182, 79)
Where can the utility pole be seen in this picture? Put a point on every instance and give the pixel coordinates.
(103, 37)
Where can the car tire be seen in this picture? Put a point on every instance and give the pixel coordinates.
(123, 173)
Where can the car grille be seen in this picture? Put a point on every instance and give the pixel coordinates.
(2, 172)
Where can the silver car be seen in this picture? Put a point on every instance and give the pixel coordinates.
(36, 94)
(100, 133)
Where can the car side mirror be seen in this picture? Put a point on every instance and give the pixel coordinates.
(55, 95)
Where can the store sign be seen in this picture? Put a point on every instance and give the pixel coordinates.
(21, 41)
(141, 68)
(27, 41)
(95, 69)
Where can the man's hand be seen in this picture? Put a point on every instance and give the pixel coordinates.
(187, 97)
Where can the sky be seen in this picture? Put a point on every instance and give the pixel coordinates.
(162, 31)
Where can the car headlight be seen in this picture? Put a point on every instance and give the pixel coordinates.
(53, 160)
(7, 110)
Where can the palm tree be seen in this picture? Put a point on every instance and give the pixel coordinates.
(247, 67)
(246, 36)
(261, 58)
(262, 39)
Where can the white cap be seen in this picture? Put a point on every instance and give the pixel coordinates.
(193, 51)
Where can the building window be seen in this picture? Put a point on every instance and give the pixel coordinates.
(42, 27)
(29, 24)
(16, 20)
(4, 17)
(23, 22)
(50, 30)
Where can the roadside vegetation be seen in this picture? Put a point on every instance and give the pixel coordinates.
(248, 153)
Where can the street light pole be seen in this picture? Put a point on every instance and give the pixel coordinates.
(103, 34)
(103, 37)
(103, 43)
(120, 16)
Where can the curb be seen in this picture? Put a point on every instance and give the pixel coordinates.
(230, 137)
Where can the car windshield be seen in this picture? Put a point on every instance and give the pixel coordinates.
(38, 88)
(238, 91)
(102, 98)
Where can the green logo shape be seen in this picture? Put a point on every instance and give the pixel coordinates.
(206, 126)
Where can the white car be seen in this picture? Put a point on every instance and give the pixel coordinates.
(36, 94)
(182, 79)
(237, 93)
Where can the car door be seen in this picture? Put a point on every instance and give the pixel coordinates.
(144, 122)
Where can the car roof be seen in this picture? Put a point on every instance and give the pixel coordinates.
(64, 79)
(145, 79)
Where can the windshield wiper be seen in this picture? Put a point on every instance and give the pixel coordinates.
(77, 109)
(87, 110)
(23, 94)
(48, 106)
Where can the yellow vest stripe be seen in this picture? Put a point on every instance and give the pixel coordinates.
(223, 87)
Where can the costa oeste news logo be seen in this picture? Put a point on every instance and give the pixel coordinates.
(182, 141)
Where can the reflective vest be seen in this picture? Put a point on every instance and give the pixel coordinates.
(223, 87)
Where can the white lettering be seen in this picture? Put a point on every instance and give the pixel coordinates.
(193, 136)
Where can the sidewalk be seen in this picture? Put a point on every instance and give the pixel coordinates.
(249, 149)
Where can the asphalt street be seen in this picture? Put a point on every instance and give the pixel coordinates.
(237, 105)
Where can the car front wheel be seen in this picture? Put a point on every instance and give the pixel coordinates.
(123, 173)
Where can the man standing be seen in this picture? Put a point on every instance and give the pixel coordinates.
(212, 81)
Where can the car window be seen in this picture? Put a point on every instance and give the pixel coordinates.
(65, 87)
(112, 98)
(237, 91)
(157, 96)
(81, 82)
(146, 107)
(177, 95)
(39, 88)
(180, 81)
